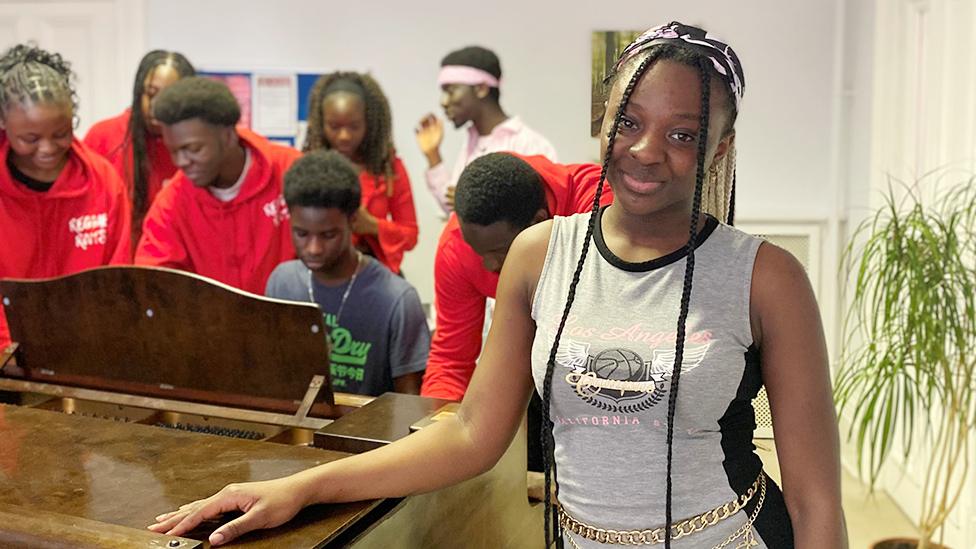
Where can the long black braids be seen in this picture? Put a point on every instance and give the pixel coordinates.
(376, 151)
(136, 166)
(731, 218)
(703, 65)
(549, 462)
(679, 346)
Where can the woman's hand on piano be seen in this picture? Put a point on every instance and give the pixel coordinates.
(265, 505)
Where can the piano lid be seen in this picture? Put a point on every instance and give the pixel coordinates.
(162, 332)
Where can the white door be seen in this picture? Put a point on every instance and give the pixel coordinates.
(103, 40)
(924, 119)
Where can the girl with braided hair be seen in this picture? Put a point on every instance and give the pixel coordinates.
(133, 143)
(348, 112)
(62, 206)
(647, 326)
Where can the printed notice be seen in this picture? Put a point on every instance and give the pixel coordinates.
(275, 104)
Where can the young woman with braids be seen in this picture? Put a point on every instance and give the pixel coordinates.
(348, 112)
(647, 370)
(134, 144)
(62, 206)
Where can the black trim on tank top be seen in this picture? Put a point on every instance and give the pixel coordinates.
(741, 463)
(644, 266)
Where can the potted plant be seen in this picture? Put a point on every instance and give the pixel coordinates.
(907, 370)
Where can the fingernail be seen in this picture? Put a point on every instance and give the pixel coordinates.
(216, 538)
(160, 517)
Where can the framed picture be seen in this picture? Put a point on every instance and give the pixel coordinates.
(605, 47)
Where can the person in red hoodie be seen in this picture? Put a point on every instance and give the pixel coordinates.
(222, 215)
(133, 144)
(348, 112)
(498, 195)
(63, 208)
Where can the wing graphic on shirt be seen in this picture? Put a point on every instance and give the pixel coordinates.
(572, 354)
(662, 362)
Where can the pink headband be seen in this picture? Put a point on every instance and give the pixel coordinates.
(469, 76)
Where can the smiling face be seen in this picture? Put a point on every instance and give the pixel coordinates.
(654, 162)
(40, 137)
(199, 149)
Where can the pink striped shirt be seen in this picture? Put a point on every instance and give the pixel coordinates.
(511, 135)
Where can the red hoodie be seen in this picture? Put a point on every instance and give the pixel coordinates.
(81, 222)
(397, 234)
(462, 284)
(107, 138)
(238, 242)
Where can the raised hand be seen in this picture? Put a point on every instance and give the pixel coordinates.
(430, 133)
(450, 196)
(365, 222)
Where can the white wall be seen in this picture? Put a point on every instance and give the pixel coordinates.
(784, 132)
(857, 103)
(924, 118)
(103, 40)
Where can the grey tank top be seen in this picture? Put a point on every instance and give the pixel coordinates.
(611, 437)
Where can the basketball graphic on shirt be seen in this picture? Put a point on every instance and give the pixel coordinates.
(620, 379)
(622, 364)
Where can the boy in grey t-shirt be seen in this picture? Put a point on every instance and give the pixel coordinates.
(379, 334)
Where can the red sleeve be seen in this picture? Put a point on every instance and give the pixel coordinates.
(97, 138)
(108, 135)
(572, 186)
(119, 243)
(460, 317)
(283, 155)
(161, 244)
(399, 233)
(4, 330)
(585, 179)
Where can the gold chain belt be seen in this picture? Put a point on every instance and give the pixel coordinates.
(679, 529)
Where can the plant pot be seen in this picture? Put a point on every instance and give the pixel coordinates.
(903, 543)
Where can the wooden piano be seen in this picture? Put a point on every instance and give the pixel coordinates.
(134, 390)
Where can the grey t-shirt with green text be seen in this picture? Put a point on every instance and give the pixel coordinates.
(381, 334)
